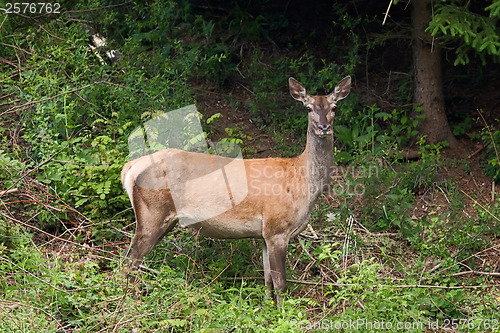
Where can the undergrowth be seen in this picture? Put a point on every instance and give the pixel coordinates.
(393, 242)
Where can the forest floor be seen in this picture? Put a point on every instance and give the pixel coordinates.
(462, 165)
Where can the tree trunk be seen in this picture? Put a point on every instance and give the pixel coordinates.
(428, 77)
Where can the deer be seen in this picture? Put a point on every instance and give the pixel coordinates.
(280, 192)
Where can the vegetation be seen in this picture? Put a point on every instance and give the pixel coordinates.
(396, 244)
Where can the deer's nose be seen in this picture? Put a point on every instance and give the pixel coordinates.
(325, 128)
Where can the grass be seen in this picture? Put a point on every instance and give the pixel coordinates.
(381, 277)
(396, 245)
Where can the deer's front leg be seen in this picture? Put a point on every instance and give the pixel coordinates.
(268, 280)
(276, 252)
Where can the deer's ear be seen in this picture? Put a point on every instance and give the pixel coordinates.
(341, 91)
(343, 88)
(297, 90)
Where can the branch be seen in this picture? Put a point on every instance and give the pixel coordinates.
(23, 106)
(476, 202)
(491, 135)
(476, 272)
(8, 62)
(33, 275)
(387, 12)
(13, 190)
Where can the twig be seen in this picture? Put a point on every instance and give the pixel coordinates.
(56, 37)
(16, 47)
(387, 12)
(4, 19)
(476, 151)
(15, 305)
(476, 202)
(8, 62)
(134, 318)
(493, 190)
(491, 136)
(97, 113)
(13, 190)
(247, 89)
(463, 260)
(33, 275)
(79, 164)
(439, 187)
(347, 240)
(311, 263)
(475, 272)
(26, 105)
(215, 278)
(54, 236)
(311, 230)
(38, 166)
(324, 237)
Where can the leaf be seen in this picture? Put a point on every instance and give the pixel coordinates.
(404, 120)
(343, 156)
(175, 322)
(383, 115)
(494, 9)
(363, 138)
(344, 134)
(493, 48)
(483, 46)
(202, 312)
(393, 196)
(214, 117)
(80, 202)
(443, 29)
(435, 30)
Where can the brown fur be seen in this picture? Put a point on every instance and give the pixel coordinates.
(281, 191)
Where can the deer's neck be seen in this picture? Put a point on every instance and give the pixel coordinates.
(318, 156)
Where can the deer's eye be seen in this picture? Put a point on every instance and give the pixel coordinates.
(308, 108)
(333, 108)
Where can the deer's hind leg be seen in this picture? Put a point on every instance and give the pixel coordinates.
(152, 223)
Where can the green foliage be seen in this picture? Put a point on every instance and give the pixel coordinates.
(10, 169)
(362, 286)
(426, 169)
(79, 294)
(372, 129)
(78, 128)
(390, 191)
(463, 127)
(79, 113)
(400, 125)
(488, 219)
(393, 193)
(476, 31)
(492, 139)
(359, 134)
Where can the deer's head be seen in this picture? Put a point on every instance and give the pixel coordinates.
(321, 108)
